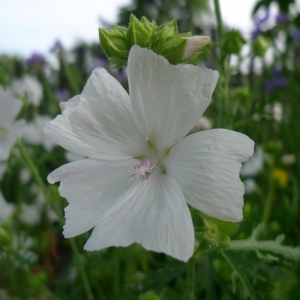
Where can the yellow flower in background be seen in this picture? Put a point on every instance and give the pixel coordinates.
(281, 176)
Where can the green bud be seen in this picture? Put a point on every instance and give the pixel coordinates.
(233, 42)
(260, 45)
(163, 40)
(173, 49)
(115, 44)
(137, 33)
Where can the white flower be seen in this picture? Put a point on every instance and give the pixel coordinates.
(28, 86)
(6, 209)
(116, 191)
(288, 159)
(9, 130)
(33, 132)
(250, 185)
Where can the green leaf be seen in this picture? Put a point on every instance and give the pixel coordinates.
(233, 42)
(249, 291)
(137, 33)
(150, 295)
(270, 246)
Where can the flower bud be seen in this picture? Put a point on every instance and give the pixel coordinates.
(194, 44)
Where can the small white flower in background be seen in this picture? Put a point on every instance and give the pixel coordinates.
(31, 213)
(194, 44)
(250, 185)
(6, 209)
(9, 130)
(289, 159)
(32, 133)
(202, 124)
(114, 191)
(30, 87)
(254, 164)
(277, 112)
(25, 175)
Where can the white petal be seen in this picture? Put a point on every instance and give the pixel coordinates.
(33, 132)
(154, 213)
(93, 188)
(10, 139)
(73, 102)
(167, 100)
(101, 125)
(206, 166)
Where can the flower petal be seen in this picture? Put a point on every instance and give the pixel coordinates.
(154, 214)
(101, 125)
(71, 103)
(167, 100)
(206, 166)
(10, 139)
(93, 188)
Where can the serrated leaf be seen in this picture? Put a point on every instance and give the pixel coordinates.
(249, 291)
(274, 247)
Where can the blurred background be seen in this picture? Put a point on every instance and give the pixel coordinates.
(48, 49)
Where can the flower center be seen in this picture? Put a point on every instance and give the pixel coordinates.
(143, 169)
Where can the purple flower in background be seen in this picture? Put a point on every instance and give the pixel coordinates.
(296, 36)
(62, 94)
(257, 23)
(121, 76)
(268, 85)
(209, 65)
(100, 62)
(57, 47)
(34, 59)
(255, 33)
(280, 82)
(281, 18)
(276, 81)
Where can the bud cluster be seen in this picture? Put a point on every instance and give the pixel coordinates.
(163, 40)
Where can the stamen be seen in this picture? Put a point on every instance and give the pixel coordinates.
(143, 169)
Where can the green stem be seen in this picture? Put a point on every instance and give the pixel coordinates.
(269, 203)
(81, 270)
(32, 168)
(224, 80)
(219, 22)
(35, 173)
(191, 278)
